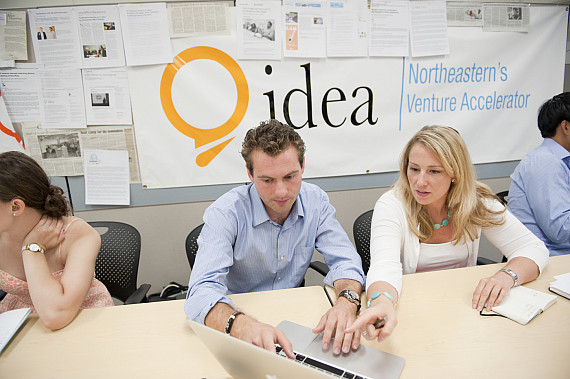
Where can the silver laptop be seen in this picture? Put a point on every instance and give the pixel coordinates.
(244, 360)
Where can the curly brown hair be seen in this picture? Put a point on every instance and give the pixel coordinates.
(272, 137)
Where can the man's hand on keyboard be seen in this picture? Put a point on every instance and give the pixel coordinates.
(260, 334)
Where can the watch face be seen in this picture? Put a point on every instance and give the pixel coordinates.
(351, 295)
(35, 247)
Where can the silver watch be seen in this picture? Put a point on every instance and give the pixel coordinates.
(512, 274)
(351, 296)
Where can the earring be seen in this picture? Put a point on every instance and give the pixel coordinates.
(14, 214)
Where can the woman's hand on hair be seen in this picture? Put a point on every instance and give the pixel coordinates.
(491, 291)
(48, 232)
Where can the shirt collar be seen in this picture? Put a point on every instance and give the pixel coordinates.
(555, 148)
(260, 213)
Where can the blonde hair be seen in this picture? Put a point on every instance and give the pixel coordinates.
(465, 196)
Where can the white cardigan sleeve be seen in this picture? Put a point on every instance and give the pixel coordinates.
(513, 239)
(387, 236)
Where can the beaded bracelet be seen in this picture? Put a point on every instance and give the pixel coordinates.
(376, 295)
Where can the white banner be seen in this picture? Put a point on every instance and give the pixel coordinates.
(354, 114)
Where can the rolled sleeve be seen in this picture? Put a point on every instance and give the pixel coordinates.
(215, 255)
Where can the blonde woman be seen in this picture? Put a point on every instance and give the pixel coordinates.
(433, 219)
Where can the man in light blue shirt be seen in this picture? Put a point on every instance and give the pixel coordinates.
(539, 195)
(262, 236)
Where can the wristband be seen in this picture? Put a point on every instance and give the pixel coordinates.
(376, 295)
(231, 321)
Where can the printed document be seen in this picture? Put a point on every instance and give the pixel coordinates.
(46, 146)
(106, 177)
(145, 33)
(55, 37)
(199, 18)
(506, 17)
(61, 99)
(305, 29)
(389, 28)
(347, 28)
(429, 28)
(21, 91)
(464, 14)
(107, 99)
(13, 45)
(100, 36)
(258, 29)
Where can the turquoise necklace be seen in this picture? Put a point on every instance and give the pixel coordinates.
(444, 222)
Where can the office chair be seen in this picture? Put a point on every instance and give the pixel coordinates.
(192, 250)
(361, 232)
(192, 244)
(117, 264)
(503, 196)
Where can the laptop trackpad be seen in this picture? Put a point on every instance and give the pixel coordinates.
(365, 361)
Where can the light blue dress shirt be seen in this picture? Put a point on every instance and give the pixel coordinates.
(242, 250)
(539, 195)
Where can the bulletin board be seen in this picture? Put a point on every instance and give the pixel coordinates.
(498, 80)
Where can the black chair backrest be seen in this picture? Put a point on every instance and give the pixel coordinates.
(117, 264)
(503, 196)
(192, 244)
(361, 233)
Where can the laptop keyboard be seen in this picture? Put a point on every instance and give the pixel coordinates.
(319, 365)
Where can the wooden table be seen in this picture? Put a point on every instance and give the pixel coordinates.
(441, 336)
(150, 340)
(438, 334)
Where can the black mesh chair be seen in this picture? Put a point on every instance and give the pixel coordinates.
(117, 264)
(192, 250)
(361, 233)
(192, 244)
(503, 196)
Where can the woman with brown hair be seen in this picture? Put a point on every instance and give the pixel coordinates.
(47, 258)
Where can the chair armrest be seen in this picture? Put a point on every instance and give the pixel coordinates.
(319, 267)
(139, 296)
(484, 261)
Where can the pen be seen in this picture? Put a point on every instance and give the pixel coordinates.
(380, 324)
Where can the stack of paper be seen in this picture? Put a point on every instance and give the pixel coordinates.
(561, 285)
(10, 322)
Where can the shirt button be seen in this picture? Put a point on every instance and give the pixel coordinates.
(279, 278)
(281, 258)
